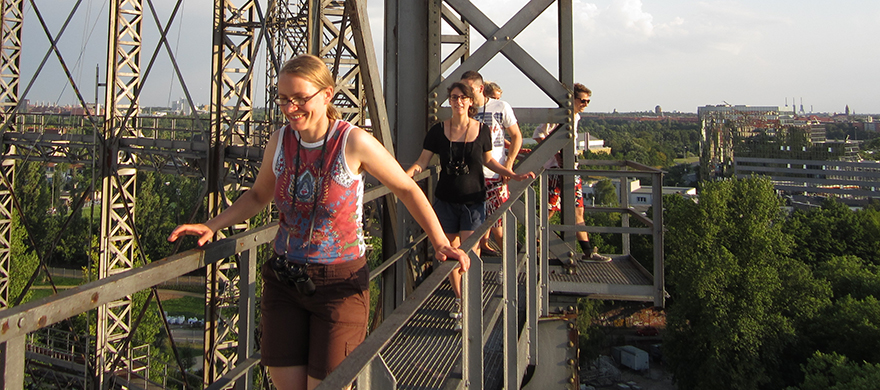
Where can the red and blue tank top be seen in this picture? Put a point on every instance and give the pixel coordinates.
(315, 176)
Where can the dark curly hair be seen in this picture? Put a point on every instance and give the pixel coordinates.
(466, 90)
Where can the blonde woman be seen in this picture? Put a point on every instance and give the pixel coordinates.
(313, 168)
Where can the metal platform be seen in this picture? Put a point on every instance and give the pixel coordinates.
(426, 353)
(622, 278)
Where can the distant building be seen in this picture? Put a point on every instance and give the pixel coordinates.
(740, 141)
(181, 106)
(640, 197)
(594, 145)
(725, 125)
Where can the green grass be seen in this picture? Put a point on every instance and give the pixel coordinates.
(60, 281)
(185, 306)
(36, 294)
(689, 160)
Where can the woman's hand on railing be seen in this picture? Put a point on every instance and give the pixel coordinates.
(446, 252)
(523, 176)
(414, 170)
(195, 229)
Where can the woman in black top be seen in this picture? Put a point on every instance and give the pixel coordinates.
(464, 146)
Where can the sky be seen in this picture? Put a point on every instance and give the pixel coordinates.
(634, 54)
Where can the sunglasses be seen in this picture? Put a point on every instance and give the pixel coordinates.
(585, 101)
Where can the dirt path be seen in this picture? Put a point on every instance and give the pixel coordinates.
(174, 294)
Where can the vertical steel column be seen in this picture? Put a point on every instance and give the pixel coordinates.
(406, 75)
(117, 246)
(6, 210)
(566, 77)
(657, 218)
(335, 40)
(10, 58)
(231, 124)
(10, 77)
(369, 73)
(314, 32)
(347, 47)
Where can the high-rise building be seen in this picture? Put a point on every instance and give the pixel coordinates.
(739, 141)
(724, 126)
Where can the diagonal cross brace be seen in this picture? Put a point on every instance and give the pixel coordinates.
(501, 40)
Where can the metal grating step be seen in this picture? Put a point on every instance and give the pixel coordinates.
(426, 353)
(621, 278)
(622, 269)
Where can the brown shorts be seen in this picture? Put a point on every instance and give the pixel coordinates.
(317, 331)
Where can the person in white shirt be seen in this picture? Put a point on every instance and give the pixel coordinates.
(498, 115)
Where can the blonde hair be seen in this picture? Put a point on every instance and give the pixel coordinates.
(314, 71)
(490, 88)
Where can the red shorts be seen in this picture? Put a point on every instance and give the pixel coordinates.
(317, 331)
(496, 195)
(554, 192)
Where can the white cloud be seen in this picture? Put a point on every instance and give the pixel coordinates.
(630, 14)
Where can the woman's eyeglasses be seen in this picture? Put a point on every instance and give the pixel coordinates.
(281, 101)
(455, 98)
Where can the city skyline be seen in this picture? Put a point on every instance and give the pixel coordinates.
(634, 55)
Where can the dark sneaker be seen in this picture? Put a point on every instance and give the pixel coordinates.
(595, 257)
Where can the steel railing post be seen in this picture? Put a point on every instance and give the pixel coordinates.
(509, 299)
(472, 329)
(530, 224)
(12, 360)
(247, 290)
(543, 223)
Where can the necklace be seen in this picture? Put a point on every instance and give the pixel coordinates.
(464, 136)
(308, 185)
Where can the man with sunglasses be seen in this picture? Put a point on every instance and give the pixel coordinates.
(582, 97)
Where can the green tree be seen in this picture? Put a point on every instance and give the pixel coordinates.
(604, 193)
(653, 143)
(836, 372)
(23, 260)
(850, 327)
(729, 320)
(850, 275)
(835, 230)
(35, 197)
(164, 201)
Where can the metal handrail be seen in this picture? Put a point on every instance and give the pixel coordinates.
(362, 357)
(17, 322)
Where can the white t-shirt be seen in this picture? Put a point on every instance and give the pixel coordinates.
(543, 131)
(498, 115)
